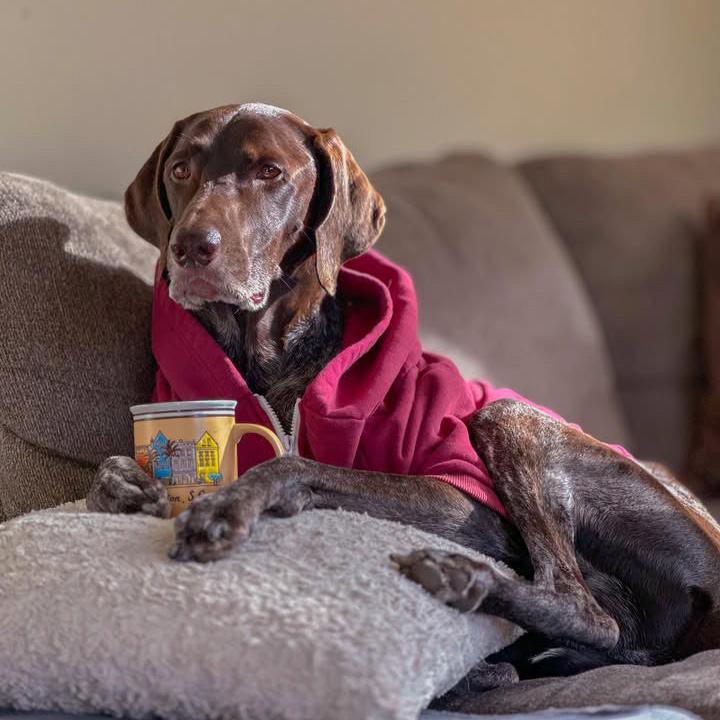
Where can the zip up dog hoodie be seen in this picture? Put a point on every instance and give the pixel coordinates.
(380, 404)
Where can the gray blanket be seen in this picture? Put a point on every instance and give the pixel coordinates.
(602, 713)
(693, 684)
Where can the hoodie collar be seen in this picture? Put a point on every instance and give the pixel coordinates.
(380, 337)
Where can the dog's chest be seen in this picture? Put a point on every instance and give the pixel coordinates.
(278, 368)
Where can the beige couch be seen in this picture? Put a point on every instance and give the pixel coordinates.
(572, 280)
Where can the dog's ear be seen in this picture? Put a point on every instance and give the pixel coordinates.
(348, 214)
(146, 205)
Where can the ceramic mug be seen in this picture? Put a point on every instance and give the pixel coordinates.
(191, 446)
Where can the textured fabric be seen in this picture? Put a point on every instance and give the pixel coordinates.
(497, 292)
(705, 463)
(75, 299)
(691, 684)
(380, 404)
(603, 712)
(297, 625)
(631, 226)
(29, 476)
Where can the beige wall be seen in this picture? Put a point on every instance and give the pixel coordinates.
(88, 86)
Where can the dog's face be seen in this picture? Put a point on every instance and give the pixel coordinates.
(230, 194)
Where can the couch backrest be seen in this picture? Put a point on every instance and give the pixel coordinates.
(500, 292)
(75, 299)
(497, 291)
(631, 226)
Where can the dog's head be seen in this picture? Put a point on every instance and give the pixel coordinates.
(230, 193)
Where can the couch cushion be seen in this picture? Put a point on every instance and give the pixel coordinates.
(497, 291)
(630, 224)
(75, 299)
(704, 475)
(29, 476)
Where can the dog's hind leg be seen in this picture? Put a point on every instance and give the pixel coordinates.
(469, 585)
(617, 553)
(517, 444)
(520, 447)
(607, 531)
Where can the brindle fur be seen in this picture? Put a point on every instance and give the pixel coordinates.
(616, 562)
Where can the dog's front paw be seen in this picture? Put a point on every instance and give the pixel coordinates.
(122, 486)
(214, 524)
(453, 579)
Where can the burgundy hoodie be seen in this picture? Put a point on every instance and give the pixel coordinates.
(380, 404)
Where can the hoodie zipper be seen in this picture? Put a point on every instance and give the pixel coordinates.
(290, 442)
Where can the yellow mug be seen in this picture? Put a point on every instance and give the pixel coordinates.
(191, 446)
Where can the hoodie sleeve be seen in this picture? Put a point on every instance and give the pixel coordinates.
(437, 432)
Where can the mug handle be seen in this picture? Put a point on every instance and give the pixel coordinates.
(241, 429)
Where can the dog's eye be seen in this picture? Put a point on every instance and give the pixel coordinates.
(268, 172)
(181, 171)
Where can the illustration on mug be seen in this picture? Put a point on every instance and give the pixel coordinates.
(181, 462)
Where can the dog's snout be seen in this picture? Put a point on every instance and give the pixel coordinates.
(195, 245)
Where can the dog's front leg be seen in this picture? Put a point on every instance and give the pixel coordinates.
(214, 524)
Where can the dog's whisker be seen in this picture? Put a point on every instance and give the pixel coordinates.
(288, 285)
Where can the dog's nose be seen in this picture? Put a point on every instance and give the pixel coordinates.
(194, 245)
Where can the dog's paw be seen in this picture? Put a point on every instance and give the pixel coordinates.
(453, 579)
(214, 524)
(122, 486)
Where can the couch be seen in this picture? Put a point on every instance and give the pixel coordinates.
(571, 279)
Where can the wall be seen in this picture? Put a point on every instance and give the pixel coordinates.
(88, 87)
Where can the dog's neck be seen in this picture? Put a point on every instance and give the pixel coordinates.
(280, 349)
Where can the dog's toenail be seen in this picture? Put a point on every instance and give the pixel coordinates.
(217, 530)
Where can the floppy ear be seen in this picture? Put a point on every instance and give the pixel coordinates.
(146, 205)
(349, 214)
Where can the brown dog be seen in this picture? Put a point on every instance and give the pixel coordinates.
(254, 212)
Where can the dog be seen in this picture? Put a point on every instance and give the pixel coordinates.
(256, 214)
